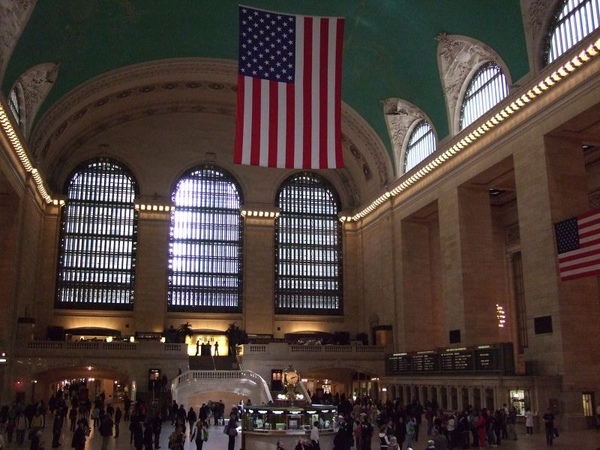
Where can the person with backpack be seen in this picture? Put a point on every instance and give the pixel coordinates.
(200, 433)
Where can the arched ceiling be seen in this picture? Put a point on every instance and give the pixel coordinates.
(390, 48)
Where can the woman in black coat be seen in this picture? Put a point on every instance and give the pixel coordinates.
(78, 441)
(232, 431)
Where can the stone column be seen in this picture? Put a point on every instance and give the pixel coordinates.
(259, 287)
(419, 290)
(151, 284)
(552, 185)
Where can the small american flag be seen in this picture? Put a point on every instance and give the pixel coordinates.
(289, 90)
(578, 245)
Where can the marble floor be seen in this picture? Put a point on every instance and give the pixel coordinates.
(582, 440)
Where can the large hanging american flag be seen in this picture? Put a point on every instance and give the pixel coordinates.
(578, 245)
(289, 90)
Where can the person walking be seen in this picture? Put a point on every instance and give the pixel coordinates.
(57, 428)
(118, 415)
(366, 433)
(156, 429)
(78, 440)
(21, 425)
(231, 430)
(410, 431)
(529, 422)
(200, 433)
(106, 430)
(314, 436)
(549, 426)
(148, 435)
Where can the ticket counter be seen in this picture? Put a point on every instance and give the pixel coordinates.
(263, 426)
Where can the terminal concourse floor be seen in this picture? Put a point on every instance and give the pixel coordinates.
(581, 440)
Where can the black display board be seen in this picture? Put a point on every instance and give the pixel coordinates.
(492, 359)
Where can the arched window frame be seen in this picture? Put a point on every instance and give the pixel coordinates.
(487, 88)
(420, 143)
(574, 20)
(308, 247)
(14, 104)
(98, 244)
(206, 243)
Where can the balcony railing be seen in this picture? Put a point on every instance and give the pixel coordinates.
(98, 348)
(140, 348)
(291, 351)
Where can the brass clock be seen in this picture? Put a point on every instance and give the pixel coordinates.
(290, 377)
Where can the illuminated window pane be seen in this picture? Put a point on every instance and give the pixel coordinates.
(308, 269)
(488, 87)
(13, 105)
(574, 20)
(98, 239)
(205, 255)
(421, 144)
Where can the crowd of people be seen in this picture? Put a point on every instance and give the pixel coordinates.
(359, 425)
(399, 426)
(23, 423)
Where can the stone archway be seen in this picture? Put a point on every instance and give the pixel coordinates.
(97, 379)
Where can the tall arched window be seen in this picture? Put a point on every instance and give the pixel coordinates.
(487, 88)
(421, 144)
(308, 248)
(574, 20)
(14, 105)
(98, 238)
(205, 261)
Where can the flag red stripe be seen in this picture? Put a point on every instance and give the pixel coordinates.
(256, 121)
(588, 214)
(594, 239)
(239, 129)
(323, 95)
(592, 262)
(580, 275)
(578, 254)
(290, 124)
(307, 92)
(273, 103)
(337, 127)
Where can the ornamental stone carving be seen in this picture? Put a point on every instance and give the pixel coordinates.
(537, 18)
(400, 115)
(14, 15)
(458, 58)
(36, 84)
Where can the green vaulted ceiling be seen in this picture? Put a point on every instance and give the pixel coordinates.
(390, 48)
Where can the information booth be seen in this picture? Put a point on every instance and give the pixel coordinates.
(263, 426)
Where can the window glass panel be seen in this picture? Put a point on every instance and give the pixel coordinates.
(205, 261)
(575, 19)
(98, 239)
(308, 268)
(421, 144)
(488, 87)
(13, 105)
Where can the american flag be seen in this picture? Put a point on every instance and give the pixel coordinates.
(578, 245)
(289, 90)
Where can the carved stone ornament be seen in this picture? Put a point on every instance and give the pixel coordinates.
(399, 116)
(14, 15)
(458, 58)
(537, 18)
(36, 84)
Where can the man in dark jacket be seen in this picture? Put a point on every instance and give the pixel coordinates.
(106, 430)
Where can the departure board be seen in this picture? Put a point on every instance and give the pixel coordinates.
(496, 359)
